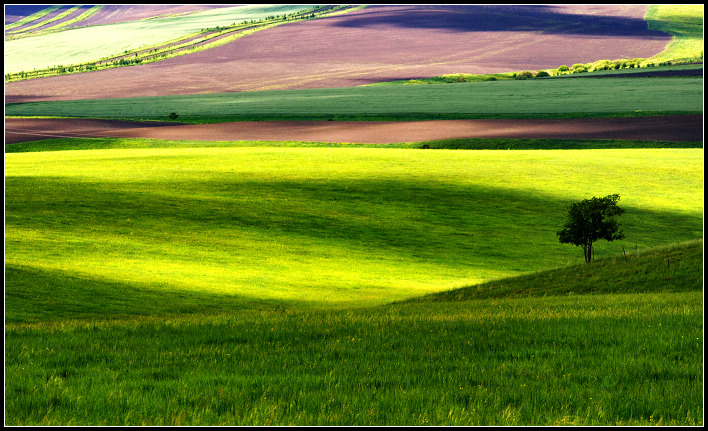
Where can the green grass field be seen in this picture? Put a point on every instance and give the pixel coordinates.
(291, 223)
(572, 359)
(531, 99)
(193, 283)
(167, 283)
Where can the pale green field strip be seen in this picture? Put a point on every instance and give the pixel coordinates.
(466, 100)
(332, 226)
(173, 50)
(146, 54)
(32, 17)
(51, 20)
(81, 45)
(79, 18)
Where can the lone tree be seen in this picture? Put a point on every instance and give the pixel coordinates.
(590, 220)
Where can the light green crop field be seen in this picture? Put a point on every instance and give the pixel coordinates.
(335, 226)
(92, 43)
(536, 98)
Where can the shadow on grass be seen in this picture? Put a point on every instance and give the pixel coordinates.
(44, 295)
(433, 221)
(414, 224)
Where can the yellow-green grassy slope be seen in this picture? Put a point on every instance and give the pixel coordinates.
(330, 226)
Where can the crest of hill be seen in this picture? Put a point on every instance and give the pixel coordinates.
(674, 268)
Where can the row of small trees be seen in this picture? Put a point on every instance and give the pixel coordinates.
(592, 67)
(283, 17)
(610, 65)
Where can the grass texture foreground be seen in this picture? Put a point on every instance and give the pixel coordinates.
(613, 359)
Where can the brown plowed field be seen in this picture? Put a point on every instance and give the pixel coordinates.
(663, 128)
(379, 43)
(32, 129)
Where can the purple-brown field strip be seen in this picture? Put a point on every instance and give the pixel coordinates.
(378, 43)
(675, 128)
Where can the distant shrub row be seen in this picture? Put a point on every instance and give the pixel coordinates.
(595, 66)
(617, 64)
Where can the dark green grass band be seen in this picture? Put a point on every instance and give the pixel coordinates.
(66, 144)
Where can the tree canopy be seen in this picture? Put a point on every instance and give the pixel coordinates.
(590, 220)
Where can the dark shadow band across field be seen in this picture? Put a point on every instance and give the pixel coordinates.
(40, 295)
(411, 218)
(504, 18)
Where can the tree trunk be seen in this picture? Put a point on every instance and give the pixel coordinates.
(587, 251)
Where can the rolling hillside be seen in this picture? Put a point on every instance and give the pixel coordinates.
(412, 41)
(88, 44)
(245, 235)
(331, 225)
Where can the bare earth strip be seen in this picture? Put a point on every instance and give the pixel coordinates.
(32, 129)
(379, 43)
(679, 128)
